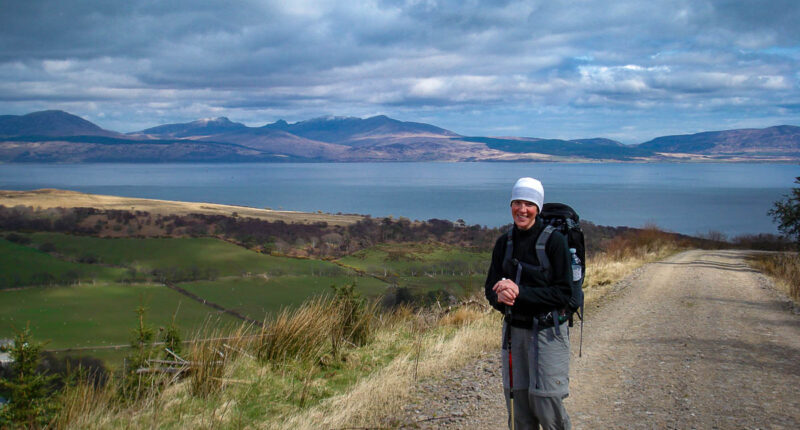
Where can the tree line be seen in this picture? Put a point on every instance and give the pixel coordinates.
(320, 239)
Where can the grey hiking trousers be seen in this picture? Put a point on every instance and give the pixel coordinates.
(538, 394)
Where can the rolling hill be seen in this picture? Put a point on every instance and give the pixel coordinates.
(49, 123)
(57, 136)
(782, 139)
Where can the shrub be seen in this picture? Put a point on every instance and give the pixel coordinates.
(71, 370)
(353, 319)
(786, 213)
(31, 403)
(18, 238)
(135, 385)
(170, 336)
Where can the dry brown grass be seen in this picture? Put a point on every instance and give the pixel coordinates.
(372, 402)
(784, 267)
(303, 332)
(462, 316)
(83, 405)
(50, 198)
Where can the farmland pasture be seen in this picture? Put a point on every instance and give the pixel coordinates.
(101, 312)
(154, 253)
(423, 268)
(256, 297)
(417, 259)
(97, 315)
(23, 265)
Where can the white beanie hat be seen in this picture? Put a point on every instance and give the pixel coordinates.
(530, 190)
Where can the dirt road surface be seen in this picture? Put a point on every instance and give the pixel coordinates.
(697, 341)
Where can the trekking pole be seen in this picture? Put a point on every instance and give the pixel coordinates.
(510, 364)
(510, 367)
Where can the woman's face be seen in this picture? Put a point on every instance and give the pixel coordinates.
(524, 214)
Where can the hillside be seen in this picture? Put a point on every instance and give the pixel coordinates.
(50, 123)
(208, 127)
(587, 148)
(783, 139)
(56, 136)
(358, 132)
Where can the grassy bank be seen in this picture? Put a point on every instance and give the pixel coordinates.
(784, 268)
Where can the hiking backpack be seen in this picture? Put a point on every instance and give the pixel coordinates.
(556, 216)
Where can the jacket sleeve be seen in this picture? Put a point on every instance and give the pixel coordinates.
(559, 290)
(495, 274)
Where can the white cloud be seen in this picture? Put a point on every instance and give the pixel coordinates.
(498, 61)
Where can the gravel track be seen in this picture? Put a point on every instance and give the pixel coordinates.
(697, 341)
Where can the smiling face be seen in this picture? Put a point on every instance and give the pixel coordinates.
(524, 214)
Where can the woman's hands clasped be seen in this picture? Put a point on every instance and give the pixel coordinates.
(507, 291)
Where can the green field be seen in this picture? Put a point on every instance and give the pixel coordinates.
(424, 268)
(417, 259)
(99, 310)
(153, 253)
(97, 315)
(257, 297)
(22, 265)
(458, 285)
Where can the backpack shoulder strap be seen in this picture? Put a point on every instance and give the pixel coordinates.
(509, 255)
(541, 243)
(509, 244)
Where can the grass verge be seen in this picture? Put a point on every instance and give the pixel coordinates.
(784, 267)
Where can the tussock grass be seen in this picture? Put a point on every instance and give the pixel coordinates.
(373, 401)
(83, 405)
(296, 333)
(784, 267)
(461, 316)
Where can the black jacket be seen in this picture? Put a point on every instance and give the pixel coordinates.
(537, 294)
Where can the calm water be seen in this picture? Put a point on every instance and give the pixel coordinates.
(686, 198)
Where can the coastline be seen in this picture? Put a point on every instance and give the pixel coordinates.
(48, 198)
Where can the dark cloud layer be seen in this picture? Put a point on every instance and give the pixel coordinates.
(625, 69)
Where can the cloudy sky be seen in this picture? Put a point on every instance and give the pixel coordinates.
(625, 69)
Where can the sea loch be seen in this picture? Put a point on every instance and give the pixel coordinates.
(686, 198)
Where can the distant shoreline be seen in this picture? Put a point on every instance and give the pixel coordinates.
(671, 159)
(55, 198)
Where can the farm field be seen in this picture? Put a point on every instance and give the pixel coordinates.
(224, 258)
(98, 315)
(416, 259)
(256, 297)
(95, 284)
(23, 265)
(424, 269)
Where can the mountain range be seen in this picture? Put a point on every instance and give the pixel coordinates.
(57, 136)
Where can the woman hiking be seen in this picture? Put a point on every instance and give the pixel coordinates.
(534, 302)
